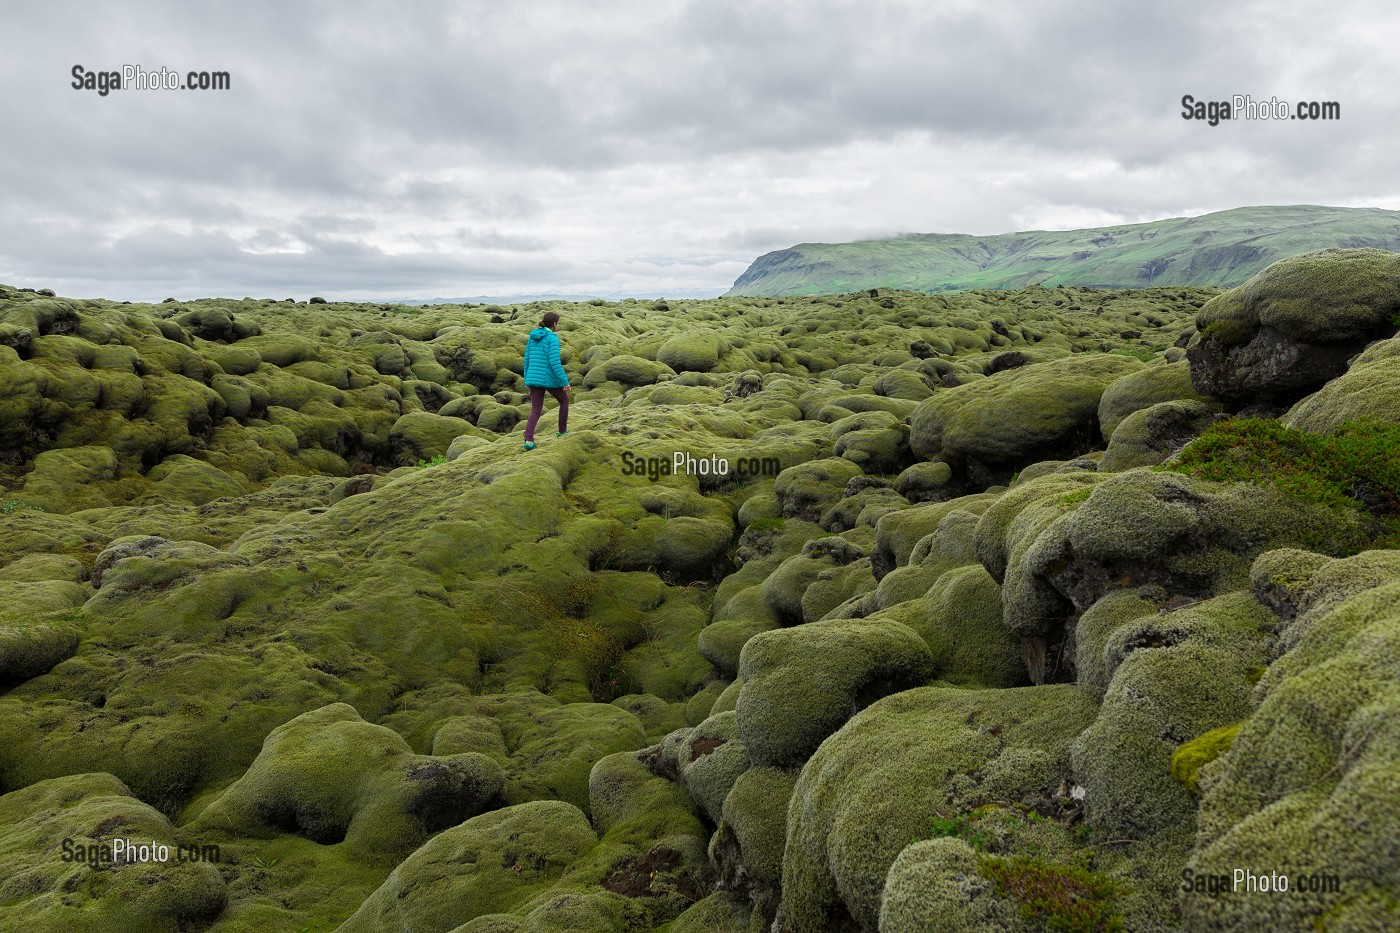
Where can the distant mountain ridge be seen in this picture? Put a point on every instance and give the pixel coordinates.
(1220, 249)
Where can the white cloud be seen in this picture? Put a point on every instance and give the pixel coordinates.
(641, 147)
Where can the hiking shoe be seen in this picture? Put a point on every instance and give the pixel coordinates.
(561, 434)
(530, 445)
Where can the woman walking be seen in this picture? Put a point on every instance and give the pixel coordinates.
(544, 371)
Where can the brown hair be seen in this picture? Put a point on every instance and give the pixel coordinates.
(550, 319)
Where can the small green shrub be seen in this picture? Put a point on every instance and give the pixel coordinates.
(1357, 466)
(1063, 897)
(15, 505)
(600, 654)
(576, 596)
(960, 826)
(439, 460)
(1076, 497)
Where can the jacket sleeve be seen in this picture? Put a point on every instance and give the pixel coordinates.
(555, 365)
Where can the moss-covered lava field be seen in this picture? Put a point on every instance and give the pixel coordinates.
(1051, 609)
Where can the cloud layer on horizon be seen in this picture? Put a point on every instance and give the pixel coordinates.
(635, 148)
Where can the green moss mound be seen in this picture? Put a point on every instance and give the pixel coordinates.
(892, 768)
(1307, 784)
(1151, 435)
(800, 684)
(990, 428)
(61, 869)
(489, 864)
(1172, 678)
(1142, 390)
(330, 776)
(1369, 391)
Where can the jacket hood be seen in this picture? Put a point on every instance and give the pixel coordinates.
(539, 332)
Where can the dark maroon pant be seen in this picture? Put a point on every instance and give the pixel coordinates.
(537, 406)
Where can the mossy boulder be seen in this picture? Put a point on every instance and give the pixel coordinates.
(878, 783)
(801, 684)
(1369, 390)
(1308, 785)
(70, 480)
(990, 428)
(490, 864)
(30, 644)
(902, 383)
(464, 443)
(721, 642)
(897, 534)
(1192, 537)
(87, 815)
(1294, 325)
(1093, 665)
(1142, 390)
(630, 371)
(421, 435)
(630, 802)
(710, 759)
(1172, 678)
(140, 562)
(806, 586)
(218, 324)
(940, 882)
(748, 845)
(687, 548)
(1302, 587)
(180, 478)
(961, 622)
(691, 352)
(558, 747)
(807, 490)
(949, 546)
(720, 912)
(235, 361)
(925, 482)
(330, 776)
(1149, 436)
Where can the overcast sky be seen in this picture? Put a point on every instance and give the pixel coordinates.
(646, 148)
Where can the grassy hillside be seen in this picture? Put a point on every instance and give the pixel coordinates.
(1221, 249)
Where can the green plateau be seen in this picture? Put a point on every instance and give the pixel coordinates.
(1220, 249)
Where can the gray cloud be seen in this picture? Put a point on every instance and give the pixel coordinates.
(638, 147)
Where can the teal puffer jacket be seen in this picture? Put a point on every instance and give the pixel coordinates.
(542, 365)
